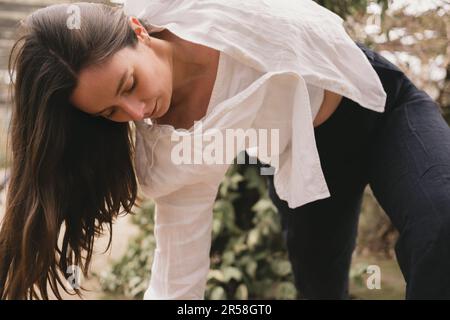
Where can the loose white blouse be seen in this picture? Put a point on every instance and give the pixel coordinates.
(276, 59)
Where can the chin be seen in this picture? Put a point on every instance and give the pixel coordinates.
(162, 108)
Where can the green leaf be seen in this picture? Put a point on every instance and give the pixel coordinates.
(218, 293)
(234, 180)
(228, 258)
(250, 268)
(217, 227)
(262, 205)
(281, 268)
(253, 238)
(216, 275)
(242, 292)
(285, 291)
(232, 273)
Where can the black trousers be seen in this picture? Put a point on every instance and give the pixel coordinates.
(404, 155)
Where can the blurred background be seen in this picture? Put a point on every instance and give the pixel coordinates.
(248, 257)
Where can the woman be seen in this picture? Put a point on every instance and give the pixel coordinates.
(77, 89)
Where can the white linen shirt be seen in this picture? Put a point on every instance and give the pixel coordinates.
(281, 50)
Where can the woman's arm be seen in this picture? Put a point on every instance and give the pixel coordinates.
(183, 226)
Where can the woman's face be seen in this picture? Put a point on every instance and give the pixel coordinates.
(132, 85)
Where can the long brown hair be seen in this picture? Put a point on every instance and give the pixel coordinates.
(71, 173)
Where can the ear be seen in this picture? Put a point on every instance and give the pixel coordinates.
(138, 27)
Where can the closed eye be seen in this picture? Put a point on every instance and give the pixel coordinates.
(132, 86)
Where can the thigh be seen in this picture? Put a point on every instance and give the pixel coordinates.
(410, 178)
(410, 159)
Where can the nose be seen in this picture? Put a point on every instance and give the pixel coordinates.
(136, 110)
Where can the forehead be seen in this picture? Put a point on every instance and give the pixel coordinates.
(97, 84)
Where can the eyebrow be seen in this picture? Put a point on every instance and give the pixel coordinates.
(119, 87)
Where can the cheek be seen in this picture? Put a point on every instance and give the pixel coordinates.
(158, 79)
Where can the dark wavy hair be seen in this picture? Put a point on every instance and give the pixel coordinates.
(71, 173)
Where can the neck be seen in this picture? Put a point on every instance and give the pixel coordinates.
(189, 64)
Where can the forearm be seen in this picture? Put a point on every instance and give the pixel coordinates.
(183, 225)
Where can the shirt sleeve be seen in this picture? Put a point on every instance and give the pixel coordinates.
(183, 232)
